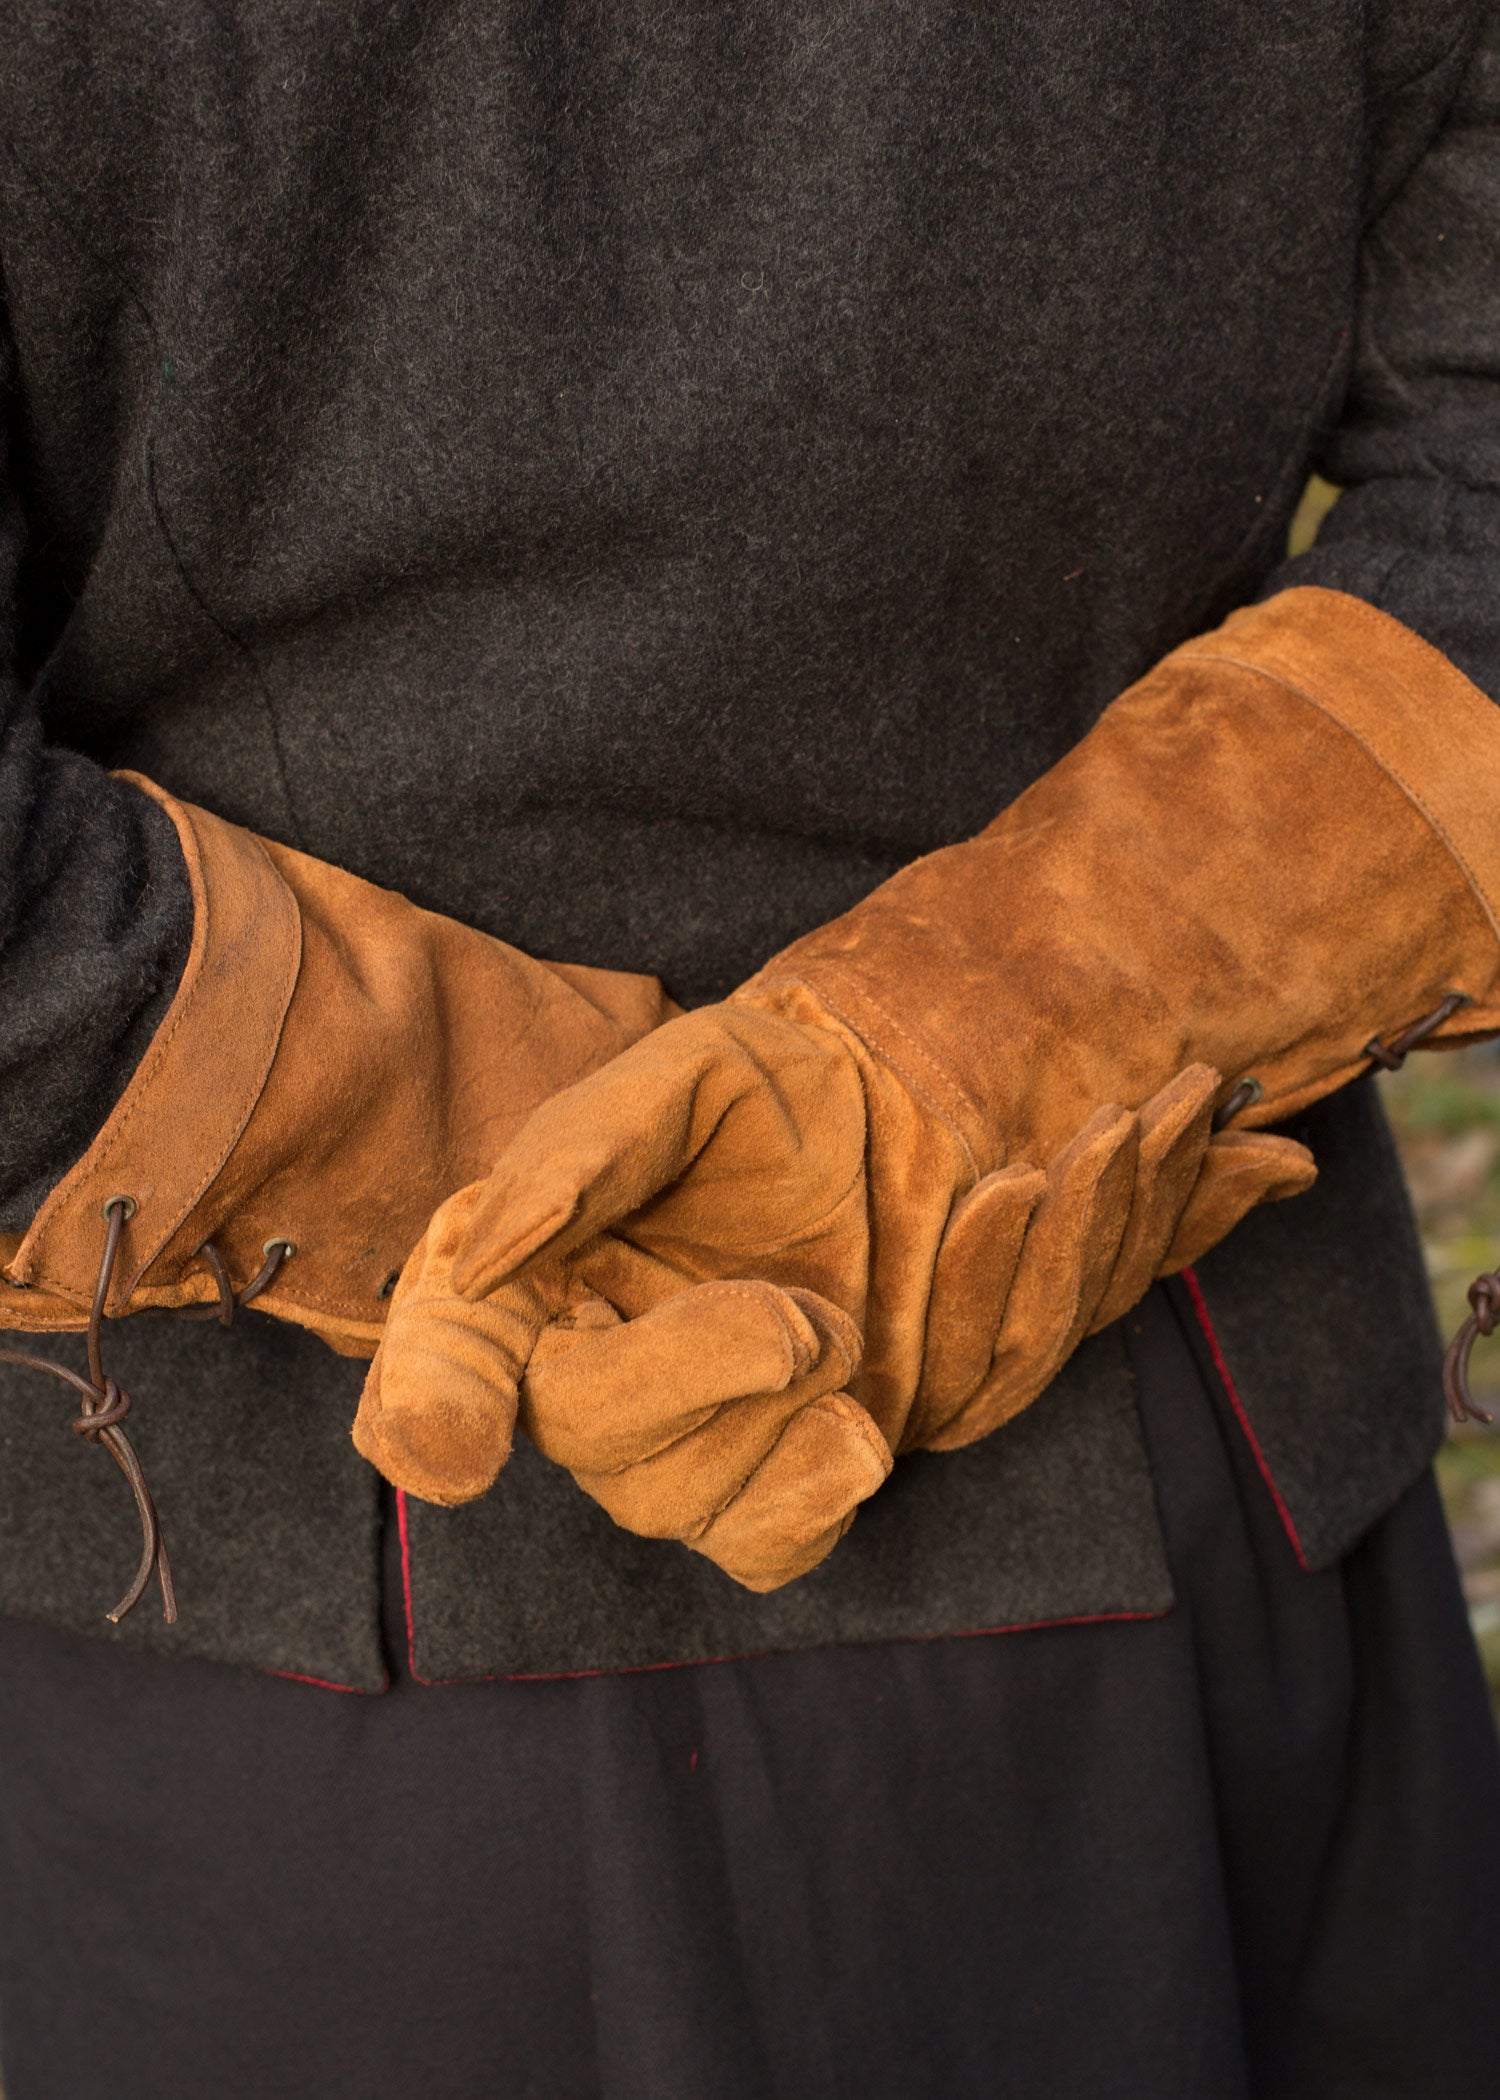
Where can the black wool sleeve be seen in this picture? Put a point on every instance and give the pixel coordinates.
(95, 912)
(1417, 452)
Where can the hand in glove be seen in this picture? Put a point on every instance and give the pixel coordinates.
(335, 1062)
(876, 1198)
(782, 1223)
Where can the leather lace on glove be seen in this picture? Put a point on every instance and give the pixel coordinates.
(334, 1063)
(877, 1197)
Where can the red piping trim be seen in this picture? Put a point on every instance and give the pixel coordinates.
(698, 1662)
(411, 1624)
(962, 1633)
(1200, 1309)
(325, 1684)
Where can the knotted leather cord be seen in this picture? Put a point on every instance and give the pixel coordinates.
(105, 1404)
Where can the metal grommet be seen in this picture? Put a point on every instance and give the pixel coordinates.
(288, 1247)
(125, 1203)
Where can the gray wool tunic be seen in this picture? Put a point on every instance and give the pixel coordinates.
(632, 477)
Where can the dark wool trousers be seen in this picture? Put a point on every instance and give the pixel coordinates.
(1251, 1848)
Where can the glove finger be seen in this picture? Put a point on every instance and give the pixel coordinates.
(1067, 1258)
(1241, 1169)
(971, 1281)
(801, 1498)
(438, 1409)
(633, 1278)
(1176, 1126)
(678, 1491)
(607, 1146)
(601, 1399)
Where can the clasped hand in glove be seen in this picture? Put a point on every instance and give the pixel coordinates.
(875, 1199)
(740, 1267)
(732, 1273)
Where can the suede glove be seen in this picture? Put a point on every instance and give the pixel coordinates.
(335, 1063)
(877, 1197)
(716, 1266)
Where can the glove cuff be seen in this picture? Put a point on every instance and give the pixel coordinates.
(335, 1064)
(1278, 849)
(1426, 725)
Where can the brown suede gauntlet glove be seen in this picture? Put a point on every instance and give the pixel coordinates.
(334, 1064)
(877, 1197)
